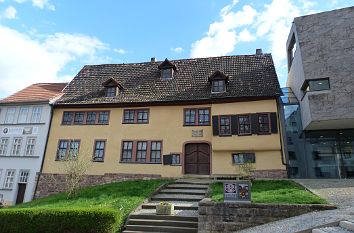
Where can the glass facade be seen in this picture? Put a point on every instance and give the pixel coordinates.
(317, 153)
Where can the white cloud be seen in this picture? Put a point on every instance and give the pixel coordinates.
(245, 36)
(24, 60)
(9, 13)
(221, 37)
(43, 4)
(177, 49)
(120, 51)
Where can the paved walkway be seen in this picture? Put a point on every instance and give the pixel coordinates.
(338, 192)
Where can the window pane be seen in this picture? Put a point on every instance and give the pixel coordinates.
(36, 114)
(30, 146)
(204, 116)
(319, 85)
(67, 118)
(99, 150)
(225, 128)
(111, 91)
(189, 118)
(91, 118)
(23, 176)
(103, 118)
(143, 116)
(74, 149)
(244, 125)
(79, 118)
(129, 116)
(10, 115)
(127, 151)
(9, 179)
(263, 123)
(141, 152)
(176, 159)
(62, 149)
(155, 156)
(3, 146)
(16, 147)
(241, 158)
(218, 86)
(22, 117)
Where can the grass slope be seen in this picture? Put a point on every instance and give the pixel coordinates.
(274, 191)
(122, 196)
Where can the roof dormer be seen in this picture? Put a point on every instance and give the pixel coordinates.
(111, 87)
(167, 69)
(218, 82)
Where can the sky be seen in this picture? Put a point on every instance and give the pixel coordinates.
(50, 41)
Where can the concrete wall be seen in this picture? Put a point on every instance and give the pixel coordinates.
(33, 163)
(325, 48)
(232, 217)
(166, 124)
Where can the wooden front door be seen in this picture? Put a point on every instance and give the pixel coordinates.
(20, 193)
(197, 159)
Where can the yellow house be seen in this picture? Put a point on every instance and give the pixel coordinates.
(178, 118)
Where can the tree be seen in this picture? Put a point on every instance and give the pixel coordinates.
(246, 169)
(75, 167)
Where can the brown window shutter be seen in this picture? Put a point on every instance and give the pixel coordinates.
(273, 122)
(167, 159)
(234, 125)
(215, 125)
(254, 123)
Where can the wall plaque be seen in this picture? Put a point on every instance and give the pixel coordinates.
(239, 191)
(197, 133)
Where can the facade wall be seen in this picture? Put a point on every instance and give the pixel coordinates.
(22, 162)
(165, 124)
(325, 50)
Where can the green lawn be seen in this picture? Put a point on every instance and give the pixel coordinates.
(122, 196)
(274, 191)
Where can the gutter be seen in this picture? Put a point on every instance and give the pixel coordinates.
(45, 148)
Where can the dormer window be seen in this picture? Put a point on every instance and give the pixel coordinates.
(218, 86)
(218, 82)
(111, 87)
(111, 91)
(167, 74)
(167, 70)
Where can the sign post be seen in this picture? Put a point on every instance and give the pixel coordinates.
(237, 191)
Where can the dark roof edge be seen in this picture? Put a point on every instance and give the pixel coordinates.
(25, 102)
(167, 103)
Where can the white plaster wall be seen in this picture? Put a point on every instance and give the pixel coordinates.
(33, 163)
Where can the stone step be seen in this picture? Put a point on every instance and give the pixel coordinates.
(187, 186)
(347, 225)
(176, 197)
(161, 229)
(331, 230)
(184, 191)
(178, 213)
(198, 182)
(159, 222)
(164, 217)
(178, 205)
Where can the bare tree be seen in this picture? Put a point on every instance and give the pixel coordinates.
(246, 169)
(75, 167)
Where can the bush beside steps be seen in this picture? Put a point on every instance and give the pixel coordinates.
(69, 220)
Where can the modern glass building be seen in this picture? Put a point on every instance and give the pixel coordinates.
(315, 153)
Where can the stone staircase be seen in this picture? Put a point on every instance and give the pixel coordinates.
(343, 227)
(185, 195)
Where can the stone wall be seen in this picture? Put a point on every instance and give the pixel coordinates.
(230, 217)
(53, 183)
(271, 174)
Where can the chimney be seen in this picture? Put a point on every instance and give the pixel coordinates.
(259, 52)
(153, 59)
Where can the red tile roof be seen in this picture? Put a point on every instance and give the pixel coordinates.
(38, 92)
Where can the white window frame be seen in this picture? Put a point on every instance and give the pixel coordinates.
(23, 176)
(10, 115)
(17, 149)
(22, 115)
(36, 114)
(4, 147)
(9, 180)
(29, 149)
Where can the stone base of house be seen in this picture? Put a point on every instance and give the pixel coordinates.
(271, 174)
(54, 183)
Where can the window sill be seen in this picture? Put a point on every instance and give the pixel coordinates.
(41, 123)
(225, 135)
(97, 161)
(246, 134)
(187, 125)
(134, 162)
(176, 165)
(135, 123)
(6, 189)
(18, 156)
(83, 124)
(265, 133)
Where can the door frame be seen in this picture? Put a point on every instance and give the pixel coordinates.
(184, 153)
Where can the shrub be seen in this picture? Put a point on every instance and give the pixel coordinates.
(70, 220)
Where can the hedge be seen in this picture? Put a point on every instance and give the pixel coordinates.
(70, 220)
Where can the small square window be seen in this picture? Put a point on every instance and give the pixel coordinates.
(167, 74)
(79, 118)
(176, 159)
(111, 91)
(91, 118)
(143, 116)
(103, 118)
(218, 86)
(68, 118)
